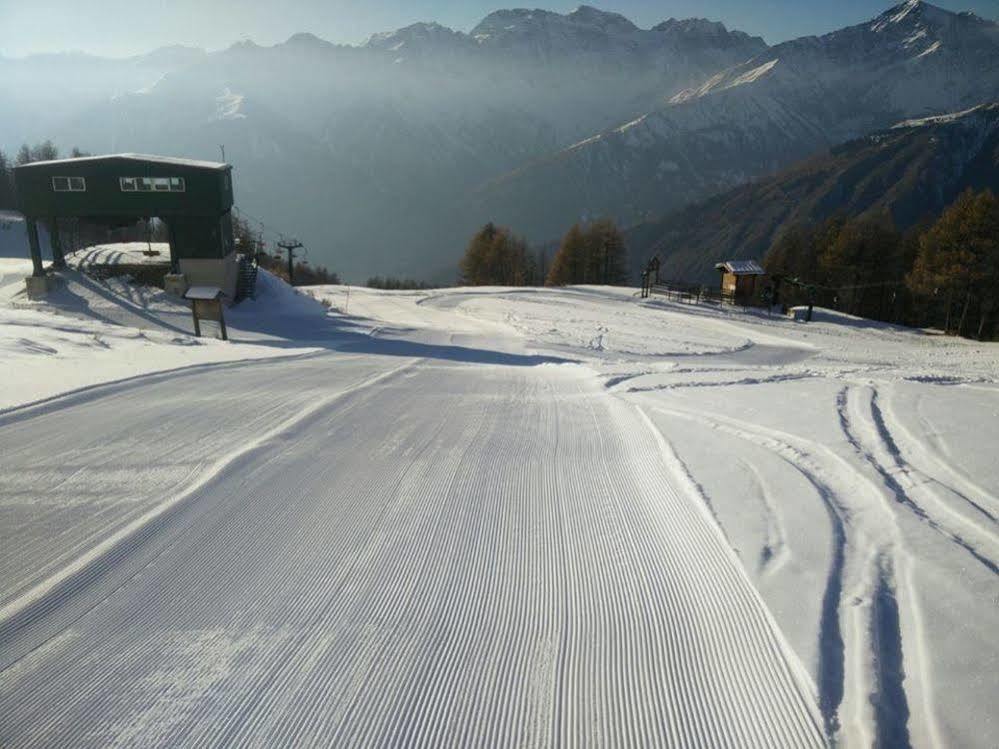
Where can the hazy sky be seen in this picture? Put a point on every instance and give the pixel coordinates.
(122, 27)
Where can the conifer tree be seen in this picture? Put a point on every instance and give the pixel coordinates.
(590, 255)
(495, 257)
(958, 261)
(864, 252)
(570, 259)
(608, 262)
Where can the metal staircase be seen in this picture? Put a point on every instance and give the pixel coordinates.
(246, 280)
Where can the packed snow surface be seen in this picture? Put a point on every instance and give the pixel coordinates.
(88, 333)
(507, 517)
(121, 253)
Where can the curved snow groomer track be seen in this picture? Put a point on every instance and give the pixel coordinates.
(451, 554)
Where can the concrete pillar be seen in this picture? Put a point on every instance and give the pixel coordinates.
(36, 249)
(58, 259)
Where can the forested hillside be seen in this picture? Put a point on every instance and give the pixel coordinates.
(906, 175)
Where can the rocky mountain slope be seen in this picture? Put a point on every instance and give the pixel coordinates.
(908, 173)
(757, 117)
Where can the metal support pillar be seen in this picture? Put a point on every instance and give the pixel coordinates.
(58, 259)
(36, 248)
(172, 239)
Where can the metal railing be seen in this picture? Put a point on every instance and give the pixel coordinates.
(246, 280)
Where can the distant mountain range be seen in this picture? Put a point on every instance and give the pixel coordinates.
(384, 158)
(908, 173)
(759, 116)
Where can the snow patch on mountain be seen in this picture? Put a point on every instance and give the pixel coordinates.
(915, 11)
(930, 50)
(229, 106)
(944, 119)
(755, 74)
(633, 123)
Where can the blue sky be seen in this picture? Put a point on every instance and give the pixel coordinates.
(121, 27)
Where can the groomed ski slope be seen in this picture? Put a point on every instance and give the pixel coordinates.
(507, 517)
(445, 554)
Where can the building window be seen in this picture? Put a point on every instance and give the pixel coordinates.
(69, 184)
(152, 184)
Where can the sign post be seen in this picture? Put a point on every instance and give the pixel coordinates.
(206, 304)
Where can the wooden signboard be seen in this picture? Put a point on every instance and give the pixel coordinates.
(206, 304)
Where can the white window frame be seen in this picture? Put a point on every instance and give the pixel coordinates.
(152, 184)
(72, 184)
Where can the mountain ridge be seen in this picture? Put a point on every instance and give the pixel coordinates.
(756, 117)
(907, 173)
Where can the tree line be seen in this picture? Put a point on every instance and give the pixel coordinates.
(942, 274)
(26, 154)
(591, 253)
(391, 283)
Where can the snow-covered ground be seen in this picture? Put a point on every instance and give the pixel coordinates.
(494, 516)
(850, 465)
(121, 253)
(90, 332)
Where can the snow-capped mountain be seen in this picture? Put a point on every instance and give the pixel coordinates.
(908, 173)
(752, 119)
(586, 35)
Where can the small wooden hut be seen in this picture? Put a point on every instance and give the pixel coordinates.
(740, 280)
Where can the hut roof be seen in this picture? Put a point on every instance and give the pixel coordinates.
(741, 267)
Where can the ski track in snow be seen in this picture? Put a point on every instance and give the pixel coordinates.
(831, 684)
(775, 552)
(868, 548)
(393, 568)
(866, 431)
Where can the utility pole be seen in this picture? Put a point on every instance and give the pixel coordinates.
(291, 247)
(222, 148)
